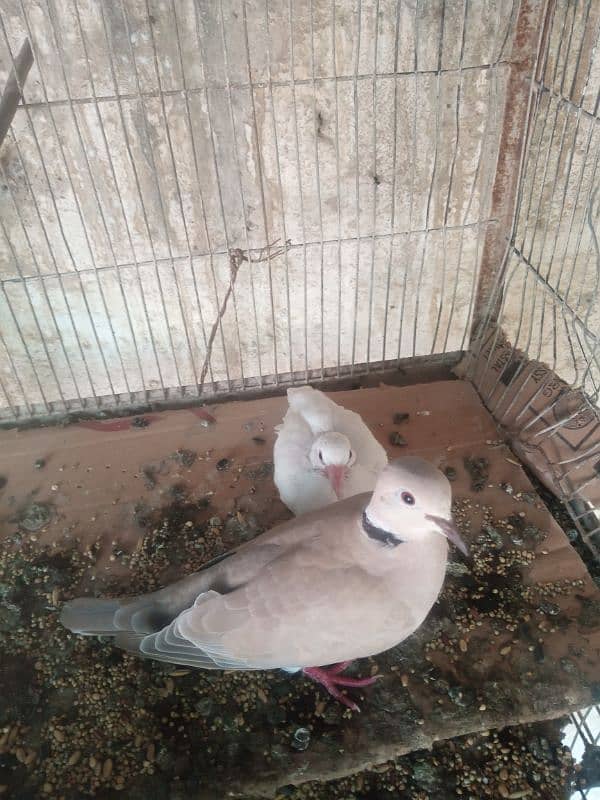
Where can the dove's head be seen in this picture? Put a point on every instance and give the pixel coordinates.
(332, 455)
(412, 499)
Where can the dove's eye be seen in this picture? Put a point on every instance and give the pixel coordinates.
(408, 498)
(321, 456)
(351, 456)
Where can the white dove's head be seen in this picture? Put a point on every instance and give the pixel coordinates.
(412, 499)
(332, 454)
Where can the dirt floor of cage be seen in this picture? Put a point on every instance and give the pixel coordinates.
(122, 508)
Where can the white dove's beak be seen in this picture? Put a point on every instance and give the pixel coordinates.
(335, 474)
(450, 531)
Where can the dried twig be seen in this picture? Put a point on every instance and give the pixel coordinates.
(237, 257)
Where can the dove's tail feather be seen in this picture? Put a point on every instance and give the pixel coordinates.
(90, 616)
(129, 641)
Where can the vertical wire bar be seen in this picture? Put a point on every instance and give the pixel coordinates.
(412, 177)
(596, 257)
(569, 165)
(589, 200)
(482, 368)
(564, 70)
(204, 217)
(81, 220)
(499, 286)
(560, 149)
(394, 167)
(529, 258)
(449, 194)
(46, 402)
(14, 410)
(491, 171)
(357, 179)
(28, 403)
(586, 217)
(111, 61)
(95, 104)
(433, 177)
(579, 181)
(231, 290)
(374, 219)
(62, 59)
(526, 278)
(144, 116)
(51, 251)
(318, 172)
(338, 186)
(280, 186)
(42, 284)
(221, 206)
(242, 197)
(548, 150)
(179, 203)
(261, 181)
(299, 173)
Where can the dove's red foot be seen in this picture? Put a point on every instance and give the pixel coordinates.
(331, 679)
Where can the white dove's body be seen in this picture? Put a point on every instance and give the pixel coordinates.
(345, 582)
(302, 485)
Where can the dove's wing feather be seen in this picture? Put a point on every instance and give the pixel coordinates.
(317, 410)
(149, 613)
(318, 589)
(297, 612)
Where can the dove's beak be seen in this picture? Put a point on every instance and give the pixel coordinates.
(450, 531)
(335, 474)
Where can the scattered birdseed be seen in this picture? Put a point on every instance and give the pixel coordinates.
(400, 417)
(397, 439)
(223, 464)
(111, 722)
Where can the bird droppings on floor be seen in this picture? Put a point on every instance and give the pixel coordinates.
(478, 469)
(508, 640)
(83, 716)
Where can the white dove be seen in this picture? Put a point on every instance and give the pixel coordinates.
(323, 453)
(347, 581)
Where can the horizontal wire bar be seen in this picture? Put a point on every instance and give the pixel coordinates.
(226, 253)
(181, 396)
(280, 84)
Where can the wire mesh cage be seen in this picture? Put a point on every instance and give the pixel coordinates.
(200, 199)
(212, 197)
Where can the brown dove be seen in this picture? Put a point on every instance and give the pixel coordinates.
(348, 581)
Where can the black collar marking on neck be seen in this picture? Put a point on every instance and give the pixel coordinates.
(386, 538)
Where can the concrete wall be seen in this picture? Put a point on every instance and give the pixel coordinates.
(158, 136)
